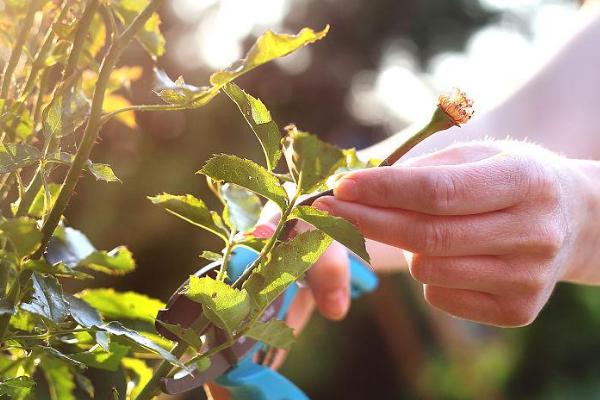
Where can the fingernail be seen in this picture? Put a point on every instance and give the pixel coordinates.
(323, 204)
(337, 303)
(346, 189)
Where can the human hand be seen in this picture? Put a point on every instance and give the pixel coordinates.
(490, 226)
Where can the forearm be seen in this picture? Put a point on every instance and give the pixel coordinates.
(557, 107)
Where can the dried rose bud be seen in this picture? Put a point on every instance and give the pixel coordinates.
(457, 106)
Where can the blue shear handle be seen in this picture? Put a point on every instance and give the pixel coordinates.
(362, 278)
(249, 381)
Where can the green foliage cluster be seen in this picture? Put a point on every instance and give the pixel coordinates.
(60, 83)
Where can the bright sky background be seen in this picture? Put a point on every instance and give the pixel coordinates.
(497, 58)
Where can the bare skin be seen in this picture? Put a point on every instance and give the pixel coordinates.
(489, 226)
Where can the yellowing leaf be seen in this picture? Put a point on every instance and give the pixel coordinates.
(222, 304)
(150, 36)
(122, 305)
(268, 47)
(113, 102)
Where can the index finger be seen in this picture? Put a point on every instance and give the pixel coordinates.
(487, 185)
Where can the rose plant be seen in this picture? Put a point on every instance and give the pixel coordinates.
(61, 82)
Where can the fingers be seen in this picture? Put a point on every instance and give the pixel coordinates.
(491, 234)
(329, 280)
(483, 307)
(494, 183)
(490, 274)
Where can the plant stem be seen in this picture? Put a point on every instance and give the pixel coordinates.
(38, 62)
(17, 49)
(141, 107)
(439, 122)
(89, 138)
(165, 367)
(222, 274)
(271, 242)
(83, 27)
(92, 128)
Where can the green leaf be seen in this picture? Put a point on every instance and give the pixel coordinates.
(84, 314)
(187, 335)
(72, 248)
(242, 207)
(56, 354)
(22, 234)
(269, 46)
(222, 304)
(247, 174)
(118, 261)
(174, 92)
(60, 270)
(149, 37)
(259, 119)
(17, 155)
(47, 300)
(273, 333)
(16, 387)
(310, 157)
(143, 373)
(211, 256)
(192, 210)
(60, 379)
(37, 209)
(115, 328)
(60, 119)
(287, 263)
(102, 172)
(338, 228)
(85, 384)
(122, 305)
(99, 358)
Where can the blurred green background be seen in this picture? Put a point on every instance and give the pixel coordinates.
(376, 72)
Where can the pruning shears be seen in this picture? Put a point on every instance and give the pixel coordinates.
(236, 369)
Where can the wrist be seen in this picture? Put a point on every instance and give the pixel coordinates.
(583, 193)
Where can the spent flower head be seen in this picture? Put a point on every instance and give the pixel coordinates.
(457, 106)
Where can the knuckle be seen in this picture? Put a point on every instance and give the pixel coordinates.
(432, 238)
(534, 281)
(441, 191)
(540, 182)
(549, 238)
